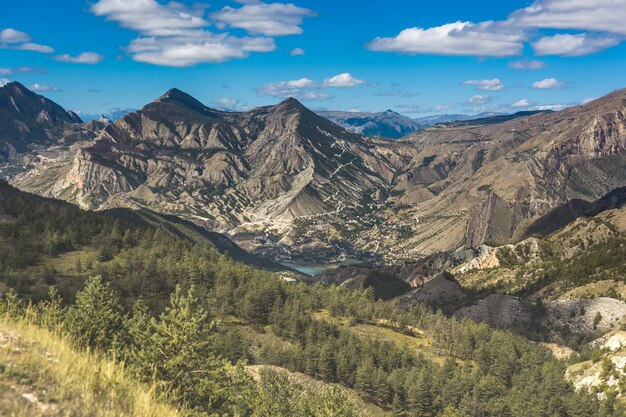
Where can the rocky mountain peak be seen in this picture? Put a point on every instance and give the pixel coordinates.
(15, 87)
(181, 99)
(290, 104)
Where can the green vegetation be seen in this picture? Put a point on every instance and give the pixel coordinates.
(176, 314)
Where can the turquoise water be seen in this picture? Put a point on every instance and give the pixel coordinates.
(318, 269)
(305, 269)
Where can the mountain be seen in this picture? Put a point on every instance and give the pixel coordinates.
(388, 124)
(28, 121)
(486, 183)
(285, 182)
(257, 170)
(437, 119)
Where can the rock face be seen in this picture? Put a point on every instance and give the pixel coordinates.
(266, 166)
(284, 181)
(388, 124)
(29, 121)
(484, 184)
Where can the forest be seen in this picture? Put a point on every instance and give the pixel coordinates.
(179, 315)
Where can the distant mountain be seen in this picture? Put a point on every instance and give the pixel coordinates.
(493, 118)
(110, 116)
(28, 120)
(447, 118)
(388, 124)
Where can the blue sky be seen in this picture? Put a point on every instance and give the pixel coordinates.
(415, 57)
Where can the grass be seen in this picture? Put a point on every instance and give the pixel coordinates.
(413, 339)
(42, 375)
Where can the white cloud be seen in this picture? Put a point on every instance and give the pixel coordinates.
(297, 52)
(479, 99)
(307, 89)
(301, 83)
(459, 38)
(184, 52)
(522, 103)
(527, 65)
(342, 81)
(276, 19)
(36, 47)
(548, 84)
(9, 35)
(14, 39)
(588, 100)
(592, 15)
(602, 19)
(573, 45)
(89, 58)
(11, 71)
(230, 104)
(301, 89)
(44, 88)
(175, 34)
(486, 85)
(152, 18)
(4, 81)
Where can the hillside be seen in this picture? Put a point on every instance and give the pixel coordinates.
(29, 121)
(286, 183)
(220, 312)
(42, 374)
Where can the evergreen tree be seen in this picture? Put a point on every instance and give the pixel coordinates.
(96, 320)
(174, 352)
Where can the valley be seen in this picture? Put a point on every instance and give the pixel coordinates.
(423, 248)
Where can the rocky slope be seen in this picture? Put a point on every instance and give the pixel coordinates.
(29, 121)
(238, 172)
(486, 184)
(285, 182)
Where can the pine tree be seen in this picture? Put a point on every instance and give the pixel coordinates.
(96, 318)
(175, 353)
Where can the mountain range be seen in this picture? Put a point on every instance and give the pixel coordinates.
(285, 182)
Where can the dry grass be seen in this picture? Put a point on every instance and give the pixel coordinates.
(415, 340)
(42, 375)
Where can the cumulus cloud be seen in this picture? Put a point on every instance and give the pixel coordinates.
(10, 35)
(486, 85)
(184, 52)
(297, 52)
(14, 39)
(89, 58)
(302, 89)
(276, 19)
(175, 34)
(526, 64)
(230, 104)
(592, 15)
(343, 80)
(522, 103)
(44, 88)
(307, 89)
(548, 84)
(479, 100)
(601, 19)
(459, 38)
(573, 45)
